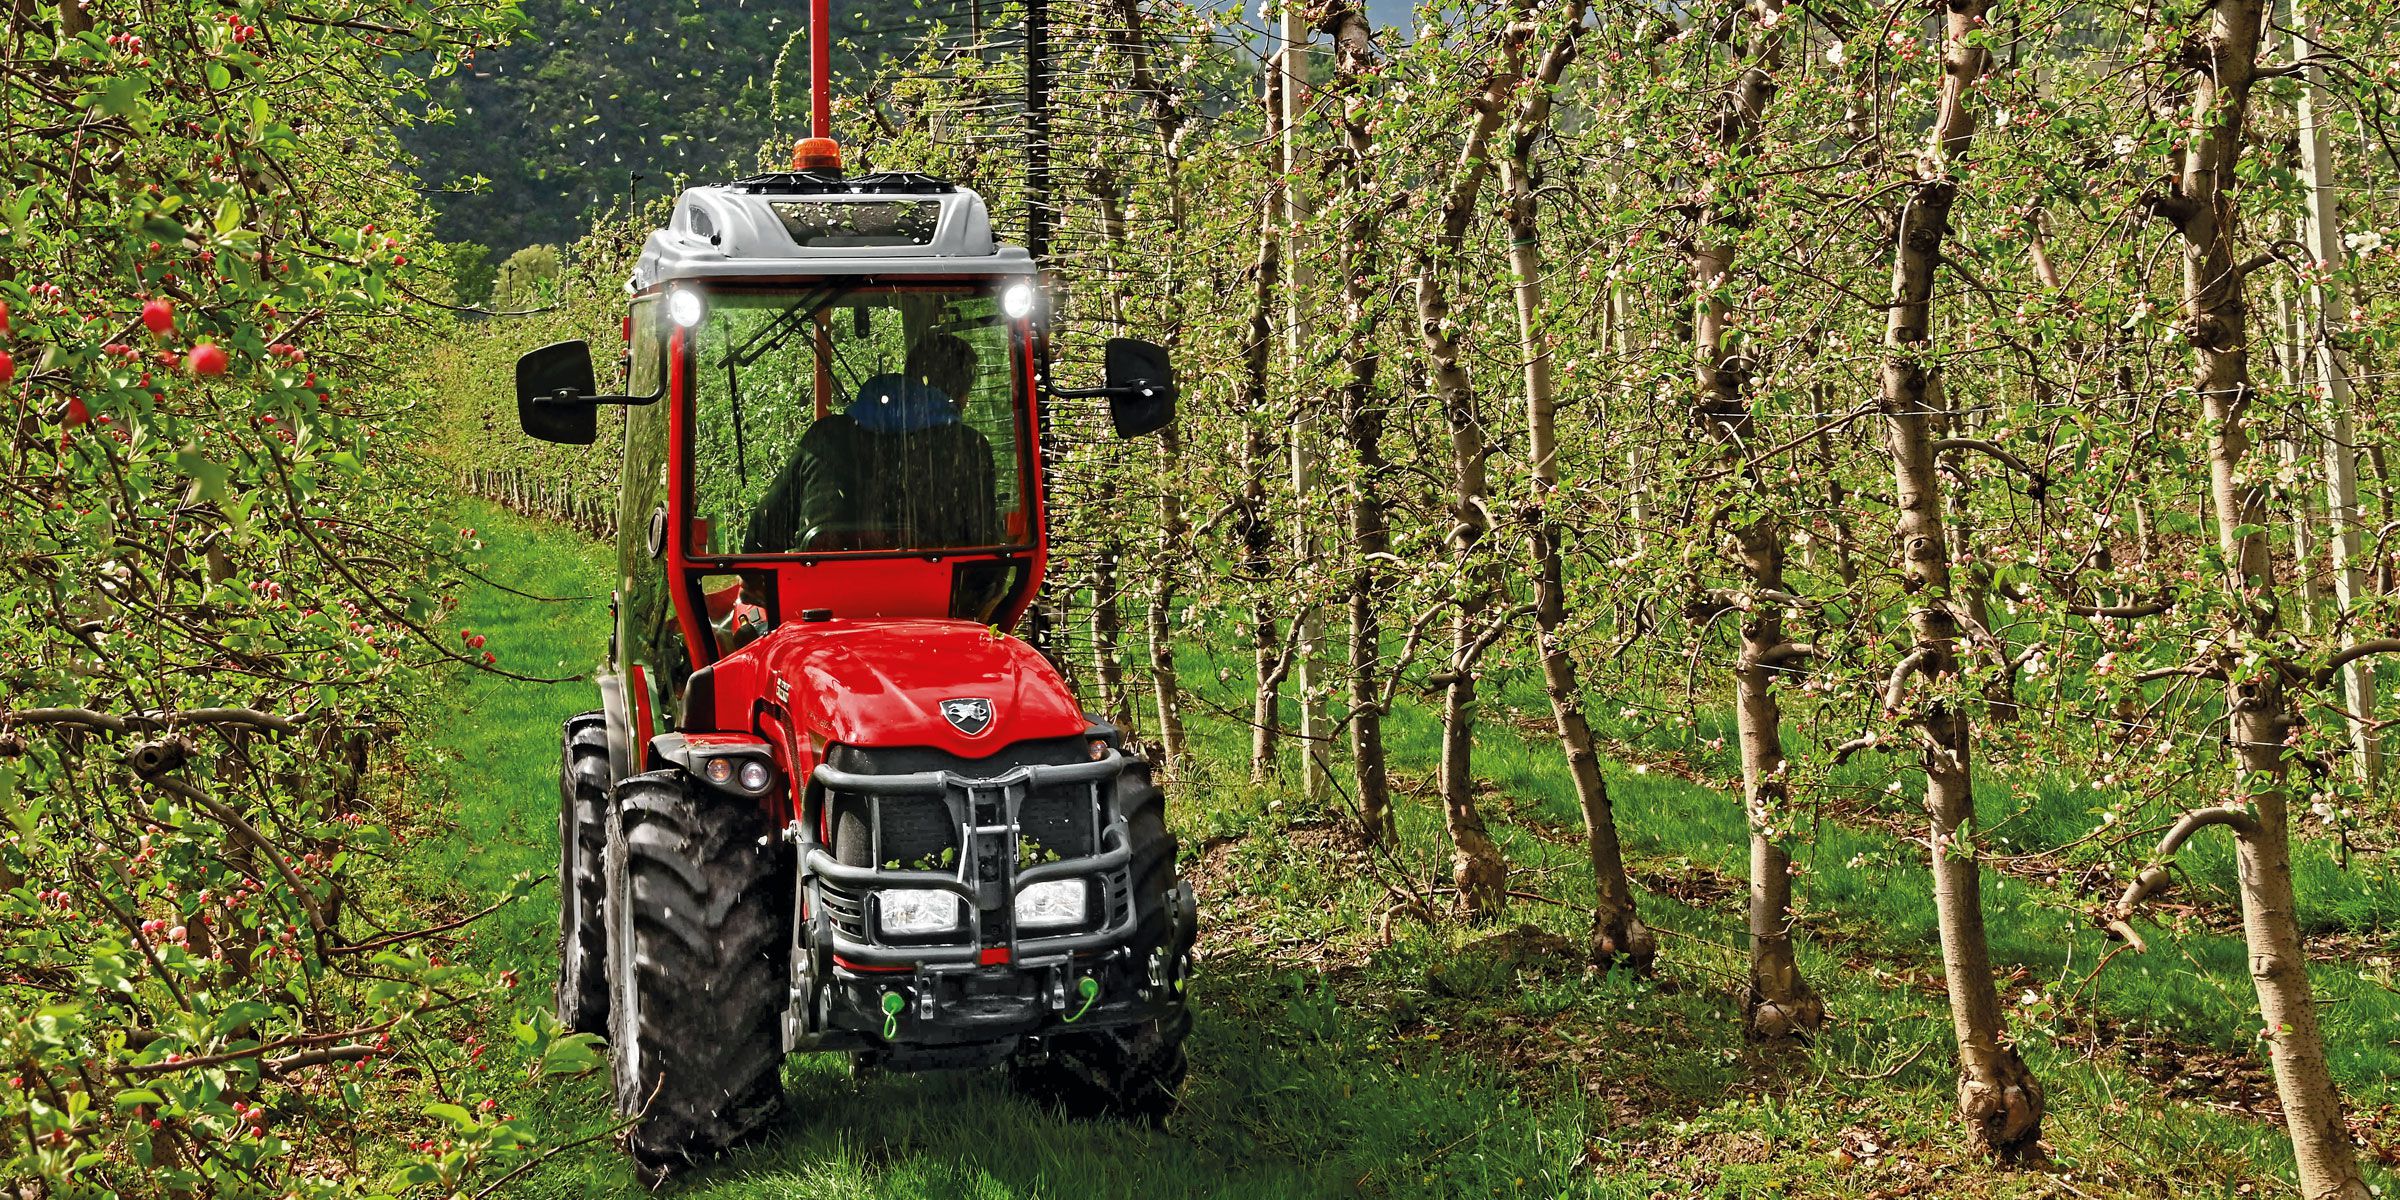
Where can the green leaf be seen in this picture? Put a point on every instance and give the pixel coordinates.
(570, 1055)
(119, 96)
(211, 476)
(451, 1113)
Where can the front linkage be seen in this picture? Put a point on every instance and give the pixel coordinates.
(928, 966)
(727, 950)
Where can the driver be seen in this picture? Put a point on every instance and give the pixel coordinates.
(896, 469)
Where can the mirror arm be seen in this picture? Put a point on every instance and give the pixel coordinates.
(1105, 393)
(565, 397)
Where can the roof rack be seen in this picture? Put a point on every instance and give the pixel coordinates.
(822, 183)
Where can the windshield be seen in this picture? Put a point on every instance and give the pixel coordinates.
(856, 418)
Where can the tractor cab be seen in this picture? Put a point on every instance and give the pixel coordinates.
(834, 386)
(828, 802)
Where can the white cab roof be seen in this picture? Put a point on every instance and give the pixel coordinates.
(800, 224)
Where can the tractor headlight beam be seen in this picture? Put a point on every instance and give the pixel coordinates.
(1053, 903)
(915, 912)
(1017, 301)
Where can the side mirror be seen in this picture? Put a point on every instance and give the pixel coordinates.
(1140, 386)
(555, 394)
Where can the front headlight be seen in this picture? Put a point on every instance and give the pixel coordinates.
(913, 912)
(1057, 902)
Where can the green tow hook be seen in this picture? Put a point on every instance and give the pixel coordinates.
(892, 1004)
(1089, 989)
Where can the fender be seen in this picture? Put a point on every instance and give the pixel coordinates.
(692, 753)
(617, 718)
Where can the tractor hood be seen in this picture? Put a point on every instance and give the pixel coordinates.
(955, 686)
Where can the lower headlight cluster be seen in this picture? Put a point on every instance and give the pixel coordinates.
(915, 912)
(1056, 902)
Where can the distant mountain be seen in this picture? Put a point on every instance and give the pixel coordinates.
(562, 123)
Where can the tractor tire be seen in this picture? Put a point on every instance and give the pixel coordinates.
(582, 843)
(699, 916)
(1132, 1072)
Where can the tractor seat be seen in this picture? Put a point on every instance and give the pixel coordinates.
(898, 404)
(896, 469)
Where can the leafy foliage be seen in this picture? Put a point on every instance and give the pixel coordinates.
(222, 601)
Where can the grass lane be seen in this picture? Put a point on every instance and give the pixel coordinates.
(1447, 1062)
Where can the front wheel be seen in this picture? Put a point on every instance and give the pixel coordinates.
(582, 841)
(699, 914)
(1132, 1071)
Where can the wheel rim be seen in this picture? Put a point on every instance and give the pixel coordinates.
(628, 1002)
(570, 916)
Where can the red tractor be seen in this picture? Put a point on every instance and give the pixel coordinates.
(828, 802)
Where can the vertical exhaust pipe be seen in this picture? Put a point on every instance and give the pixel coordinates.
(820, 68)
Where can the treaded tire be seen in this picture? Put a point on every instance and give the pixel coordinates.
(699, 914)
(582, 992)
(1131, 1072)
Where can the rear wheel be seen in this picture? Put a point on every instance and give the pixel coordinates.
(582, 841)
(699, 915)
(1131, 1071)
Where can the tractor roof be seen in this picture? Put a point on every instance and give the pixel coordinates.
(812, 223)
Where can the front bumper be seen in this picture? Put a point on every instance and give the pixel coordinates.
(990, 982)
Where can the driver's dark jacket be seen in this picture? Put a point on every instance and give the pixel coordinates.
(910, 475)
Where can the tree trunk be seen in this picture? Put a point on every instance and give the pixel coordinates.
(1167, 118)
(1617, 934)
(1477, 867)
(1254, 527)
(2333, 394)
(1998, 1097)
(1308, 674)
(1780, 1004)
(1354, 55)
(2203, 212)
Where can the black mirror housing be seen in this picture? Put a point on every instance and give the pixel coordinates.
(555, 394)
(1140, 386)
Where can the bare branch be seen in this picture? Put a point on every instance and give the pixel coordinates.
(154, 719)
(2352, 653)
(2155, 876)
(1916, 661)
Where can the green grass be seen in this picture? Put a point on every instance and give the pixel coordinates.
(1330, 1061)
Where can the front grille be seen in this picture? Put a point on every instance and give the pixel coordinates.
(904, 831)
(917, 834)
(846, 909)
(1063, 820)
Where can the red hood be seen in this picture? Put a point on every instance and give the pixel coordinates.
(879, 682)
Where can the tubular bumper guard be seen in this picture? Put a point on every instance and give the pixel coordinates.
(960, 793)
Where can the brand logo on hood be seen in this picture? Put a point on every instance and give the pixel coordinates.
(971, 714)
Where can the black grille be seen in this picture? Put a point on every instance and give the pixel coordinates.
(826, 183)
(846, 909)
(918, 834)
(1063, 819)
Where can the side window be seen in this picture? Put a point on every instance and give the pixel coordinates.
(647, 635)
(989, 406)
(646, 368)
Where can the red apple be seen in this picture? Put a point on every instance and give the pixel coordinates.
(8, 367)
(159, 317)
(209, 359)
(77, 414)
(3, 318)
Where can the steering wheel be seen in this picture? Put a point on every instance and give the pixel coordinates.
(845, 535)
